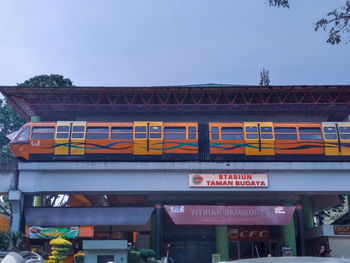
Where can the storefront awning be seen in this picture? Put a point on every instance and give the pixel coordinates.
(230, 215)
(93, 216)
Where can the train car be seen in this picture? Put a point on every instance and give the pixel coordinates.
(178, 141)
(106, 141)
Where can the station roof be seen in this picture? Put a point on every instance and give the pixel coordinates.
(69, 103)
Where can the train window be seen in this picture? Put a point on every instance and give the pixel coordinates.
(285, 130)
(232, 133)
(97, 133)
(175, 129)
(174, 135)
(155, 135)
(97, 129)
(330, 136)
(63, 129)
(344, 129)
(309, 130)
(43, 133)
(310, 137)
(266, 136)
(252, 136)
(266, 129)
(140, 135)
(329, 129)
(140, 129)
(62, 135)
(192, 136)
(285, 136)
(78, 128)
(43, 129)
(232, 129)
(122, 129)
(46, 136)
(78, 135)
(155, 129)
(24, 136)
(251, 129)
(215, 136)
(345, 136)
(155, 132)
(192, 133)
(215, 129)
(310, 133)
(231, 136)
(285, 133)
(192, 129)
(121, 135)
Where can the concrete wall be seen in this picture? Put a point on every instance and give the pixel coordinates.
(8, 176)
(114, 177)
(340, 247)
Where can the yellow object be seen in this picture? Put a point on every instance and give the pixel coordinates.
(60, 242)
(148, 138)
(330, 139)
(336, 137)
(77, 146)
(259, 138)
(62, 138)
(4, 223)
(344, 137)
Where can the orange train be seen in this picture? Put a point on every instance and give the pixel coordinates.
(177, 141)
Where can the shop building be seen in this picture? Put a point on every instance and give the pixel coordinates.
(235, 208)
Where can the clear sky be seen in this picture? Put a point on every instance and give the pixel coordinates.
(161, 42)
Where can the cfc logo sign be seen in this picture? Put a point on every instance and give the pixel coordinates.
(249, 234)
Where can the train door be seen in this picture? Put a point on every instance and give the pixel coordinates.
(337, 138)
(70, 138)
(259, 138)
(331, 139)
(344, 134)
(148, 137)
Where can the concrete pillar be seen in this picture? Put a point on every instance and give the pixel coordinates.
(16, 200)
(153, 231)
(158, 229)
(308, 213)
(289, 236)
(222, 242)
(37, 199)
(301, 230)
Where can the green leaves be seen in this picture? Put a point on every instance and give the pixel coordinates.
(53, 80)
(279, 3)
(11, 121)
(13, 241)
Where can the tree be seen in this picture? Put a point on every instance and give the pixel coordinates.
(337, 21)
(52, 80)
(11, 121)
(264, 78)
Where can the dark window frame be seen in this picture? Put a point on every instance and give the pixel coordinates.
(47, 134)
